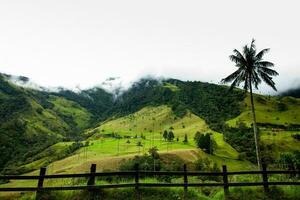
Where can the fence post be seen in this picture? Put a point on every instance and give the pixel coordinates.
(91, 182)
(137, 176)
(185, 179)
(40, 183)
(225, 181)
(265, 178)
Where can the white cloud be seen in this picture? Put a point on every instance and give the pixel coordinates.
(73, 43)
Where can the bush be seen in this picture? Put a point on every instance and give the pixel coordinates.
(296, 136)
(204, 142)
(242, 140)
(205, 165)
(289, 161)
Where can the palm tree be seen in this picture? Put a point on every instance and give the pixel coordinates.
(252, 70)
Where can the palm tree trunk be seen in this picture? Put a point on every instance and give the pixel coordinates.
(256, 137)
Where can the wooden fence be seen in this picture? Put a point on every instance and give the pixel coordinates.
(91, 186)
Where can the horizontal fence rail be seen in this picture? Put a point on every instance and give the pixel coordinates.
(91, 186)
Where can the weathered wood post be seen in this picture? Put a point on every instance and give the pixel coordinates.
(225, 181)
(137, 176)
(39, 191)
(265, 178)
(91, 181)
(185, 180)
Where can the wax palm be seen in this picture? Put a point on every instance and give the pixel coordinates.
(252, 70)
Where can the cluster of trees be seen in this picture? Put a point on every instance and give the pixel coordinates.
(153, 162)
(241, 138)
(147, 162)
(204, 142)
(168, 135)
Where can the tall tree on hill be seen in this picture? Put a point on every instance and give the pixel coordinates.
(165, 135)
(185, 138)
(252, 70)
(171, 136)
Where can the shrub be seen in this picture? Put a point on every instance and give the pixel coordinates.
(204, 142)
(296, 136)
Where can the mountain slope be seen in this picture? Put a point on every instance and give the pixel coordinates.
(152, 121)
(31, 121)
(281, 111)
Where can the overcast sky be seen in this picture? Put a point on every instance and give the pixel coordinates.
(70, 43)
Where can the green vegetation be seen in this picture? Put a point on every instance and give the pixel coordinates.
(31, 121)
(204, 142)
(267, 112)
(153, 124)
(156, 123)
(286, 193)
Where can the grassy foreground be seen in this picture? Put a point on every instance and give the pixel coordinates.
(286, 193)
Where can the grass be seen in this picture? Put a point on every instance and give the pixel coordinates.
(152, 121)
(281, 141)
(48, 155)
(267, 111)
(204, 193)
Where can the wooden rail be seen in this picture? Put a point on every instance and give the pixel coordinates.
(92, 187)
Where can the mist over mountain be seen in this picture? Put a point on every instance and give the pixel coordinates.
(292, 92)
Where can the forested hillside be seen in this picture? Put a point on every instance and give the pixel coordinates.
(31, 121)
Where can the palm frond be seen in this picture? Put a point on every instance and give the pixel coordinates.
(237, 81)
(255, 79)
(261, 53)
(234, 84)
(251, 68)
(232, 76)
(252, 46)
(268, 71)
(268, 80)
(238, 54)
(265, 64)
(245, 51)
(237, 60)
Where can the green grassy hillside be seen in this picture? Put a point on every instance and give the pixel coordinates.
(270, 110)
(278, 119)
(152, 121)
